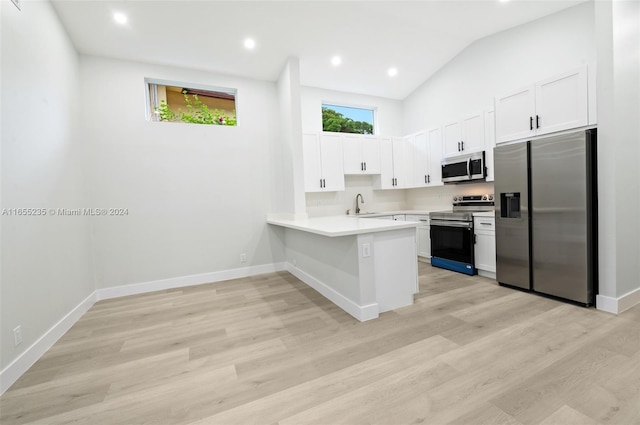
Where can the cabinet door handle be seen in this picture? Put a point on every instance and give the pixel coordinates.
(362, 166)
(321, 183)
(425, 178)
(537, 121)
(428, 178)
(365, 166)
(485, 224)
(458, 146)
(530, 123)
(462, 145)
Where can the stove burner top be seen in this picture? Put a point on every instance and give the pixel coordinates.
(464, 206)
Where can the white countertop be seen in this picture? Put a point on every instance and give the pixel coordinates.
(388, 213)
(340, 225)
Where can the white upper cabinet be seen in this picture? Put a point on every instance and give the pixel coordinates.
(473, 133)
(420, 154)
(515, 112)
(361, 154)
(489, 143)
(394, 164)
(555, 104)
(322, 160)
(426, 150)
(464, 136)
(435, 157)
(561, 102)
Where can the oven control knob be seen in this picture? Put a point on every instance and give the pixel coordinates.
(491, 197)
(455, 198)
(484, 198)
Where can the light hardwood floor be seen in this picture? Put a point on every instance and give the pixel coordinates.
(268, 349)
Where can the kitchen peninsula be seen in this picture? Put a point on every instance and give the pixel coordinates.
(365, 266)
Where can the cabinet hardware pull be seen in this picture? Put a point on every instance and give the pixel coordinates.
(537, 121)
(320, 183)
(530, 123)
(425, 178)
(486, 224)
(428, 178)
(365, 166)
(362, 166)
(462, 145)
(458, 146)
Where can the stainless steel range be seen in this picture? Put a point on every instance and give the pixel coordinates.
(452, 236)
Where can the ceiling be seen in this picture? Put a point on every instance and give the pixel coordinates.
(417, 37)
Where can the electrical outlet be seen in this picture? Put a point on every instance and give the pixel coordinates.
(243, 258)
(366, 250)
(17, 4)
(17, 335)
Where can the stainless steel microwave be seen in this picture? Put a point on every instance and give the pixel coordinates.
(464, 168)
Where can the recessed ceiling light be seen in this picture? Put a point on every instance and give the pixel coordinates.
(392, 72)
(336, 60)
(120, 18)
(250, 43)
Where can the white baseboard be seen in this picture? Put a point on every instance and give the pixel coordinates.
(182, 281)
(608, 304)
(628, 300)
(362, 313)
(488, 274)
(10, 374)
(618, 305)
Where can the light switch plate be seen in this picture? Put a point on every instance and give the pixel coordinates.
(16, 3)
(366, 250)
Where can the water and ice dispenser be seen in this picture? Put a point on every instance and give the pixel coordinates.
(510, 205)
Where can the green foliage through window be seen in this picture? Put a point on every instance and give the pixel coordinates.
(189, 105)
(334, 119)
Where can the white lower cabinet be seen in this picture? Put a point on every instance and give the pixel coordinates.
(485, 249)
(424, 237)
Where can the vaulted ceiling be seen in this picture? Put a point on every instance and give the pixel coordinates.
(416, 37)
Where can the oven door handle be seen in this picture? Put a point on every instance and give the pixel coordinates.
(469, 168)
(450, 223)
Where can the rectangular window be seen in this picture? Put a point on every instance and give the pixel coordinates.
(347, 119)
(190, 103)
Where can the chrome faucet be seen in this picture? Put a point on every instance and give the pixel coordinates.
(357, 205)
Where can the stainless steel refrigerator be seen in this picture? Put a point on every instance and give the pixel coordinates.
(546, 216)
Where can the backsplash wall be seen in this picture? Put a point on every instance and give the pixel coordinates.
(441, 197)
(428, 199)
(336, 203)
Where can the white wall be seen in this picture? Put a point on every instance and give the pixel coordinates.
(500, 63)
(288, 167)
(46, 261)
(618, 26)
(197, 195)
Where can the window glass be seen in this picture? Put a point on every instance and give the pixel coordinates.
(347, 119)
(180, 103)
